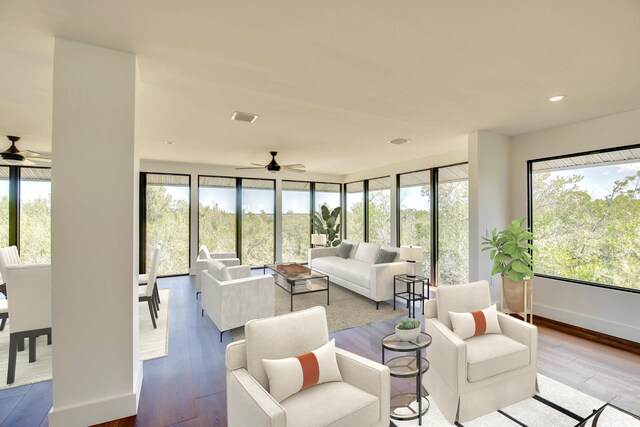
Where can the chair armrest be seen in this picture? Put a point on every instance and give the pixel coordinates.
(321, 252)
(229, 262)
(236, 355)
(521, 331)
(249, 404)
(381, 279)
(239, 271)
(368, 376)
(201, 265)
(447, 354)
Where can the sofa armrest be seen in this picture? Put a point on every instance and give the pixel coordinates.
(521, 331)
(321, 252)
(368, 376)
(249, 404)
(381, 279)
(239, 271)
(201, 265)
(447, 354)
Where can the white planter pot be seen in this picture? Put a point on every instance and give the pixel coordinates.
(407, 334)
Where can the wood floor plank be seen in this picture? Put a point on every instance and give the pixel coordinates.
(7, 405)
(32, 408)
(212, 410)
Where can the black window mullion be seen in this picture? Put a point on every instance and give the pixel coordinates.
(239, 218)
(142, 220)
(14, 206)
(365, 189)
(434, 226)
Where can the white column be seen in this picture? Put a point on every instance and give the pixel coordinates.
(488, 199)
(94, 233)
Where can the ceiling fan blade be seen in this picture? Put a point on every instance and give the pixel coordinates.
(258, 164)
(261, 167)
(295, 165)
(26, 162)
(293, 169)
(40, 159)
(28, 153)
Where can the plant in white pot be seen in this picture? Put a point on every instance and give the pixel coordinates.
(408, 330)
(510, 250)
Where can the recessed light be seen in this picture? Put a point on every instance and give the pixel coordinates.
(398, 141)
(244, 117)
(169, 142)
(557, 98)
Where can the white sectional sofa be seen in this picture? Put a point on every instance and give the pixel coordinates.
(358, 272)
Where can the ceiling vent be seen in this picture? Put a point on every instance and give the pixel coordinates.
(399, 141)
(244, 117)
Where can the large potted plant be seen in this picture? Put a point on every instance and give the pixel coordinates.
(510, 250)
(328, 223)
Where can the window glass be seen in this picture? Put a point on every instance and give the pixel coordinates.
(415, 214)
(586, 217)
(258, 210)
(35, 215)
(217, 213)
(355, 211)
(380, 210)
(296, 221)
(453, 224)
(167, 222)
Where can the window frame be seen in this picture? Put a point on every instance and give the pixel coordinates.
(530, 163)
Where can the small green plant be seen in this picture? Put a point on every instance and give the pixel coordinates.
(409, 324)
(510, 251)
(328, 222)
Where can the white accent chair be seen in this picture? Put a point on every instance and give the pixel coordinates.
(4, 313)
(147, 293)
(231, 296)
(30, 309)
(361, 399)
(8, 256)
(473, 377)
(143, 279)
(227, 258)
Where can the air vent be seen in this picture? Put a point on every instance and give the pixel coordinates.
(244, 117)
(399, 141)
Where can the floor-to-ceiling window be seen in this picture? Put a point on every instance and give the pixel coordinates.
(217, 213)
(330, 196)
(453, 224)
(355, 211)
(167, 210)
(296, 220)
(415, 213)
(258, 222)
(35, 215)
(379, 210)
(4, 206)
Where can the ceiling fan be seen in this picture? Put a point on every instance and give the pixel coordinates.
(13, 156)
(274, 167)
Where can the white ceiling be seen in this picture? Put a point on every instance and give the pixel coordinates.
(332, 81)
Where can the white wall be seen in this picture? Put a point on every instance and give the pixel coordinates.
(608, 311)
(96, 369)
(488, 200)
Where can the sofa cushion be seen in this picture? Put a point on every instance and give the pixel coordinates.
(344, 250)
(335, 403)
(367, 252)
(466, 325)
(293, 374)
(385, 257)
(218, 270)
(355, 245)
(351, 270)
(462, 299)
(490, 355)
(392, 249)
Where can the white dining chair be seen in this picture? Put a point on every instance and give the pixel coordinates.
(146, 293)
(143, 279)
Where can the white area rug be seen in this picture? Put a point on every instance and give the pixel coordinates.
(557, 405)
(154, 343)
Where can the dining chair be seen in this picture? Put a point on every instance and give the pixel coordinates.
(8, 256)
(146, 293)
(143, 279)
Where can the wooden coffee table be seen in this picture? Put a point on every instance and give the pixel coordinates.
(297, 279)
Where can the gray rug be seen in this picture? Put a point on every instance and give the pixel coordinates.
(347, 309)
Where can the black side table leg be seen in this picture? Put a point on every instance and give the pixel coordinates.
(419, 386)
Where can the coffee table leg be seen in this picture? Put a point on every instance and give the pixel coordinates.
(394, 294)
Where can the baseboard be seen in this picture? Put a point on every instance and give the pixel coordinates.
(588, 334)
(95, 412)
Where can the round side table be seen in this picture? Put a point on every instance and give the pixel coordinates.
(403, 406)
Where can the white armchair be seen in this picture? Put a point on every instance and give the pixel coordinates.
(30, 309)
(231, 296)
(8, 256)
(227, 258)
(361, 399)
(472, 377)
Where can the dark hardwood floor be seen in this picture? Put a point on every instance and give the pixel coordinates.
(187, 388)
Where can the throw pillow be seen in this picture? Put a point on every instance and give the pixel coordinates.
(293, 374)
(203, 254)
(344, 250)
(467, 325)
(385, 257)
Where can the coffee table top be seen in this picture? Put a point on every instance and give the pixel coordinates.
(294, 271)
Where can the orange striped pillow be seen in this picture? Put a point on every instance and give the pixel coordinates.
(293, 374)
(467, 325)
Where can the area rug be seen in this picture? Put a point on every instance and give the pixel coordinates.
(347, 309)
(555, 405)
(154, 343)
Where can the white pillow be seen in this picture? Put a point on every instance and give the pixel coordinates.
(466, 325)
(218, 270)
(293, 374)
(367, 252)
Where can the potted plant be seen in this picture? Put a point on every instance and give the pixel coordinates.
(510, 250)
(328, 222)
(408, 330)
